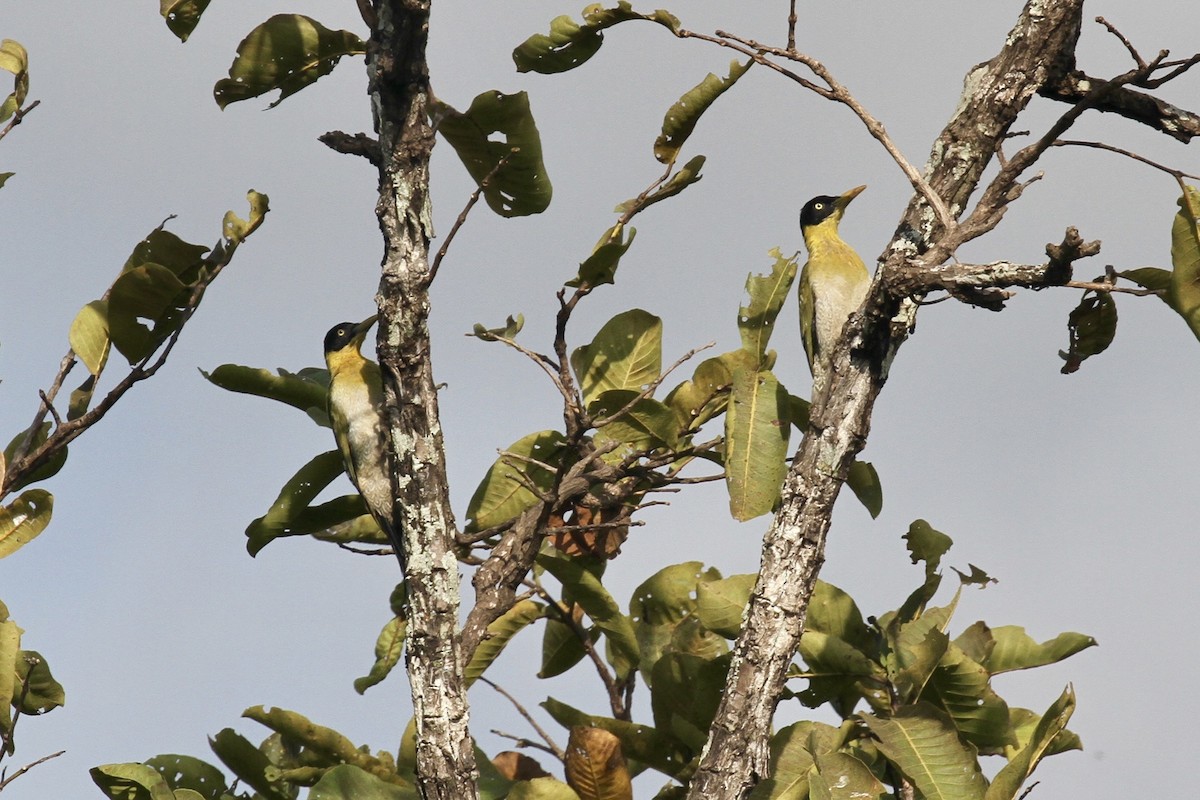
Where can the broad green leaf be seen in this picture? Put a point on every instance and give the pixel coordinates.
(81, 398)
(1151, 278)
(499, 633)
(165, 249)
(685, 694)
(287, 52)
(1008, 782)
(683, 177)
(323, 742)
(131, 782)
(509, 330)
(182, 16)
(542, 789)
(720, 604)
(249, 764)
(669, 595)
(926, 544)
(4, 176)
(1015, 649)
(504, 493)
(1184, 292)
(149, 292)
(291, 515)
(44, 693)
(841, 776)
(698, 400)
(187, 772)
(346, 782)
(654, 748)
(863, 480)
(1025, 724)
(601, 266)
(962, 687)
(682, 117)
(14, 59)
(585, 588)
(497, 126)
(838, 673)
(389, 646)
(1091, 327)
(792, 761)
(561, 648)
(832, 611)
(756, 321)
(915, 649)
(570, 44)
(234, 229)
(10, 647)
(306, 390)
(920, 740)
(625, 354)
(89, 335)
(23, 519)
(48, 469)
(647, 425)
(756, 442)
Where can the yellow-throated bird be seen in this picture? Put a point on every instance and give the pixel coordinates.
(355, 411)
(833, 282)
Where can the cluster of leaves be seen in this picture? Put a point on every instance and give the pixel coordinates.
(14, 59)
(26, 685)
(1092, 325)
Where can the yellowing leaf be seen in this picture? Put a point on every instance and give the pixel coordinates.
(595, 766)
(23, 519)
(682, 117)
(89, 335)
(570, 44)
(504, 491)
(756, 442)
(626, 354)
(1184, 292)
(235, 229)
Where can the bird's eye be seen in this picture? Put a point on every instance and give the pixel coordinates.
(819, 206)
(341, 332)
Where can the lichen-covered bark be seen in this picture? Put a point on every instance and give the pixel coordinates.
(399, 89)
(1040, 47)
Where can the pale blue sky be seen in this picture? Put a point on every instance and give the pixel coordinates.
(1075, 491)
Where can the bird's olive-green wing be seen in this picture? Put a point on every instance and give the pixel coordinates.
(808, 318)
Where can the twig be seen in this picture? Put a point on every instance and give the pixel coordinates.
(544, 362)
(1128, 45)
(358, 144)
(9, 779)
(651, 387)
(17, 116)
(1128, 154)
(1109, 288)
(462, 215)
(551, 746)
(791, 45)
(521, 741)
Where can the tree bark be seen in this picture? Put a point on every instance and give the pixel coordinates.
(1039, 48)
(398, 79)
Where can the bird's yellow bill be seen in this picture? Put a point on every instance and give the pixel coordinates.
(846, 197)
(360, 330)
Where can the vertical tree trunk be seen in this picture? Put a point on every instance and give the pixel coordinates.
(1038, 48)
(399, 88)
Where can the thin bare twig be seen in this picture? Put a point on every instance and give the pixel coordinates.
(462, 215)
(521, 741)
(18, 116)
(651, 387)
(551, 746)
(791, 45)
(1128, 154)
(10, 778)
(1109, 288)
(1120, 36)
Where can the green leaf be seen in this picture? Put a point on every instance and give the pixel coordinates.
(756, 443)
(4, 176)
(287, 52)
(720, 604)
(23, 519)
(570, 44)
(1150, 278)
(683, 177)
(682, 117)
(962, 687)
(1014, 649)
(792, 761)
(926, 544)
(504, 491)
(542, 789)
(164, 248)
(89, 335)
(348, 782)
(10, 647)
(832, 611)
(291, 515)
(647, 425)
(662, 609)
(594, 599)
(1010, 779)
(625, 354)
(499, 633)
(841, 776)
(838, 673)
(561, 648)
(685, 694)
(182, 16)
(186, 772)
(306, 390)
(706, 395)
(916, 647)
(14, 59)
(44, 693)
(863, 480)
(131, 782)
(389, 646)
(1184, 292)
(499, 126)
(249, 764)
(756, 321)
(234, 229)
(1091, 327)
(509, 330)
(601, 266)
(920, 740)
(149, 292)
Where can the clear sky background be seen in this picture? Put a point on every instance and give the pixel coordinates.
(1076, 492)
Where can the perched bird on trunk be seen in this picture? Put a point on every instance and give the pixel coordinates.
(356, 413)
(833, 281)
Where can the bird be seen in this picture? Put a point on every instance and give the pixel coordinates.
(833, 282)
(356, 414)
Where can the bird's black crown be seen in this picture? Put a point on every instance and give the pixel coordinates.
(817, 210)
(339, 336)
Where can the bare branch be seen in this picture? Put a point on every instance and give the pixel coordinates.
(462, 216)
(550, 746)
(10, 778)
(18, 116)
(356, 144)
(1176, 173)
